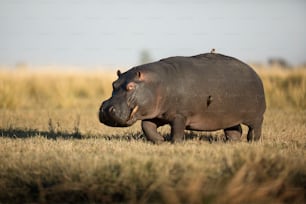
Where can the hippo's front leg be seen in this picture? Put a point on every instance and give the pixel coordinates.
(177, 128)
(150, 130)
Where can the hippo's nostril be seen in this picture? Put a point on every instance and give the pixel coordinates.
(112, 109)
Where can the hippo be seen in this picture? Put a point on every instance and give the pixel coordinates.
(206, 92)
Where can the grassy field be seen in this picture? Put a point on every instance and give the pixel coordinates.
(53, 148)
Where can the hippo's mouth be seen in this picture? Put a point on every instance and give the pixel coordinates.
(132, 119)
(113, 116)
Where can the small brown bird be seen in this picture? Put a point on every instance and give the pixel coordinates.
(213, 51)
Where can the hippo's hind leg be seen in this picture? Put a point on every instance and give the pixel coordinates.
(178, 126)
(150, 130)
(254, 132)
(233, 133)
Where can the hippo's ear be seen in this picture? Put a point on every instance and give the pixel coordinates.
(140, 76)
(118, 73)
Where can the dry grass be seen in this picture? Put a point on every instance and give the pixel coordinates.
(53, 148)
(52, 90)
(285, 88)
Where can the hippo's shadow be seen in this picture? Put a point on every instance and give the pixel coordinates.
(202, 136)
(28, 133)
(140, 136)
(132, 136)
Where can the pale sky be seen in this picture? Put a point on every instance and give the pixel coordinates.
(113, 33)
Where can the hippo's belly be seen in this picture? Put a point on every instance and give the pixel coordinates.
(212, 123)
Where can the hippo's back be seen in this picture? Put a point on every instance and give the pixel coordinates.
(210, 67)
(232, 86)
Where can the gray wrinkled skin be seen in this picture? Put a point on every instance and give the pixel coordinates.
(206, 92)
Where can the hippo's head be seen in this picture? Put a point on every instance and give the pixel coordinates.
(131, 99)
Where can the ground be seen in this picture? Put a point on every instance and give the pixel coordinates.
(57, 151)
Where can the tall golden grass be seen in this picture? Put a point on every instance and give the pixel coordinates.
(49, 89)
(284, 88)
(53, 148)
(55, 89)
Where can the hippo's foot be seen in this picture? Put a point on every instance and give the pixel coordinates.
(150, 130)
(233, 133)
(177, 129)
(254, 132)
